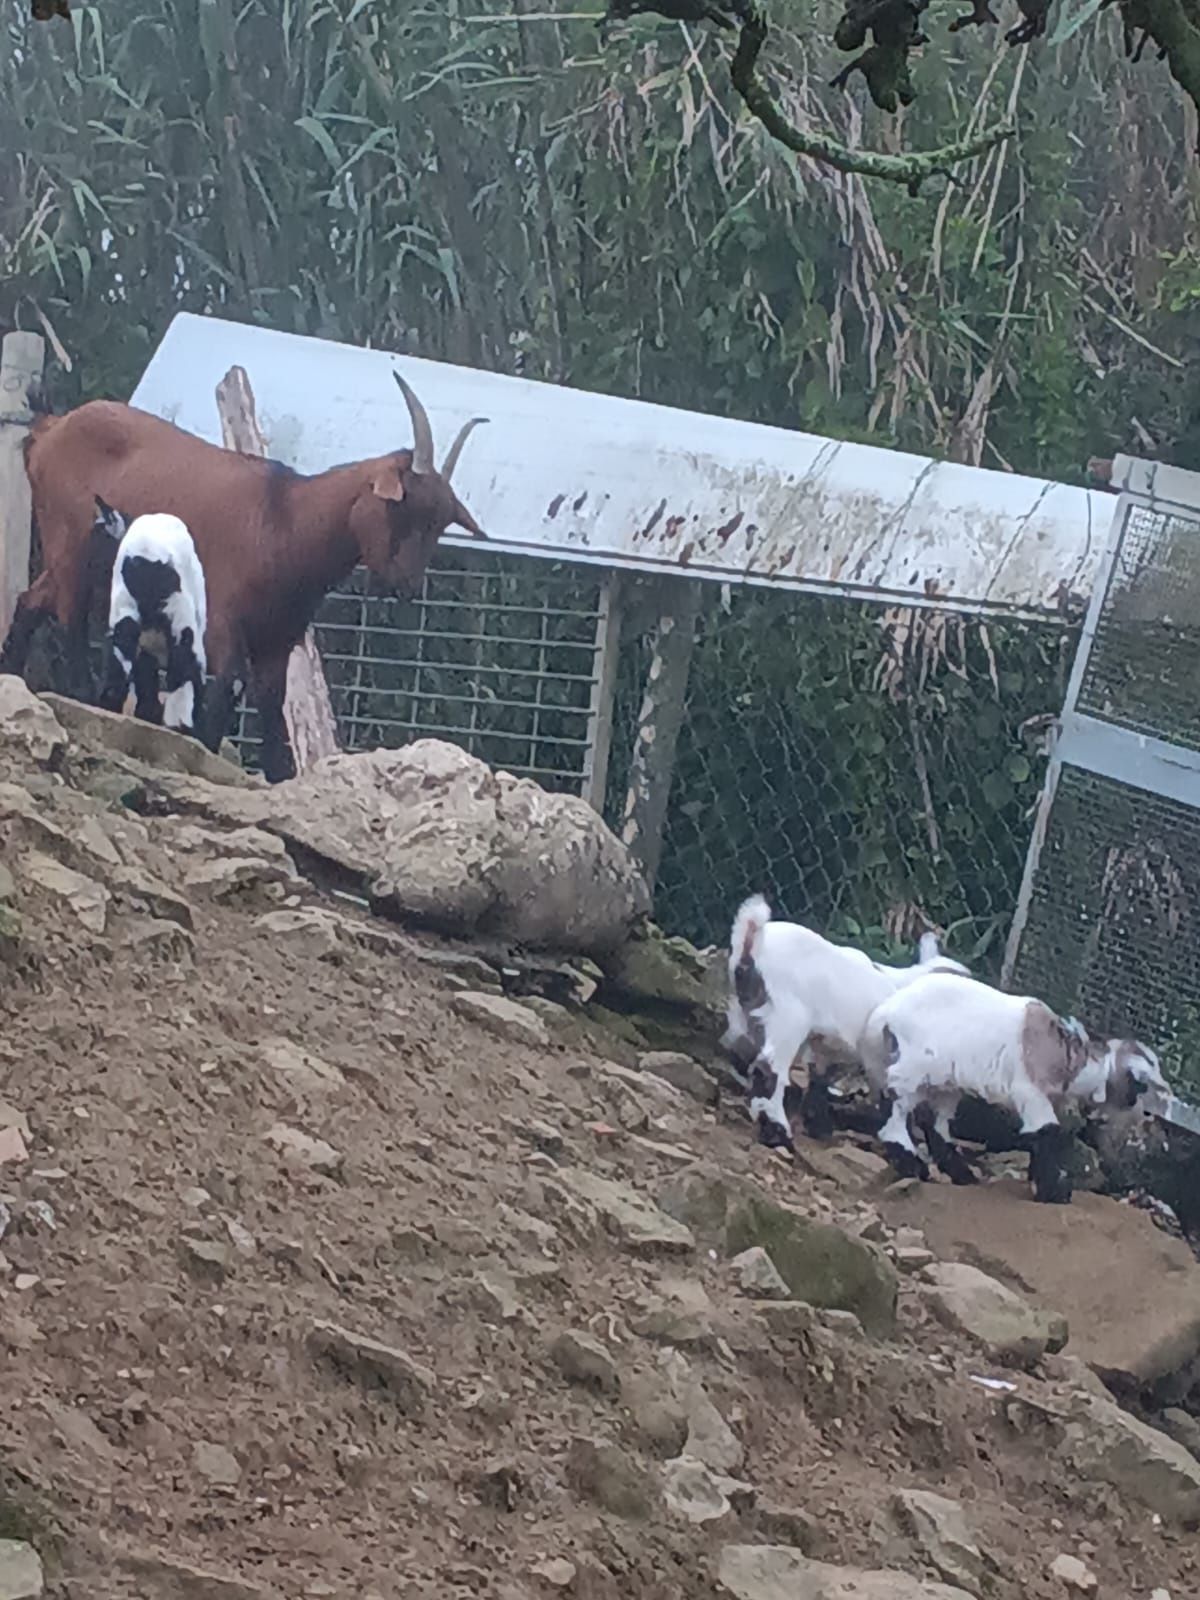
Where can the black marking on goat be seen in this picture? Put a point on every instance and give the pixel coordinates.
(906, 1163)
(947, 1157)
(151, 583)
(893, 1046)
(772, 1135)
(816, 1109)
(1049, 1169)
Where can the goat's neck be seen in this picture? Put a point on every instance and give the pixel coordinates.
(321, 548)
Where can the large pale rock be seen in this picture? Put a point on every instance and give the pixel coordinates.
(20, 1566)
(777, 1572)
(1138, 1325)
(1103, 1442)
(28, 723)
(506, 1019)
(652, 967)
(698, 1495)
(432, 834)
(996, 1317)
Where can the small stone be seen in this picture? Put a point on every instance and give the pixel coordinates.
(558, 1572)
(1005, 1324)
(302, 1150)
(541, 1135)
(656, 1422)
(204, 1259)
(214, 1462)
(12, 1145)
(790, 1525)
(299, 1070)
(501, 1017)
(710, 1439)
(681, 1071)
(374, 1364)
(195, 1198)
(912, 1258)
(21, 1575)
(1069, 1570)
(584, 1360)
(692, 1491)
(940, 1529)
(244, 1241)
(8, 886)
(86, 898)
(756, 1275)
(610, 1477)
(910, 1239)
(24, 1281)
(636, 1221)
(11, 1117)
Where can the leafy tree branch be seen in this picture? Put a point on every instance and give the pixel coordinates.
(884, 64)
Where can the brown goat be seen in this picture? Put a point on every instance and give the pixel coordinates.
(272, 542)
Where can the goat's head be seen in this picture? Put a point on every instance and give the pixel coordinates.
(1131, 1069)
(407, 504)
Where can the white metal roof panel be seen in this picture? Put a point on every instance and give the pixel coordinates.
(561, 472)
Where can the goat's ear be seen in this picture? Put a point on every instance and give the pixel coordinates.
(927, 947)
(387, 483)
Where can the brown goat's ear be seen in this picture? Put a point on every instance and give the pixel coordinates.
(388, 484)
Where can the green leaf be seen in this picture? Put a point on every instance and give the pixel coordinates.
(320, 136)
(1070, 22)
(1018, 768)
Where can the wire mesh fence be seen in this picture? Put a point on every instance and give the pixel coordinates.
(1112, 930)
(873, 771)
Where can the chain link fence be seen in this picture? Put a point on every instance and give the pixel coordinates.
(872, 770)
(1112, 927)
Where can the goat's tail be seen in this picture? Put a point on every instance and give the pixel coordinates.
(753, 916)
(928, 948)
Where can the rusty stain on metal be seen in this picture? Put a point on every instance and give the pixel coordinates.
(655, 518)
(759, 504)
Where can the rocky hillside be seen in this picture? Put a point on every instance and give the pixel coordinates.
(337, 1263)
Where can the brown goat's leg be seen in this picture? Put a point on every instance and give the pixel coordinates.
(33, 607)
(270, 687)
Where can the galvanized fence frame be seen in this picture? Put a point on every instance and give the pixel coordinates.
(1107, 753)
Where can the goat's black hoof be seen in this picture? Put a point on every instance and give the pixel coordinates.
(906, 1163)
(773, 1136)
(957, 1168)
(817, 1120)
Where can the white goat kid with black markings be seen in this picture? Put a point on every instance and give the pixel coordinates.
(157, 618)
(793, 991)
(938, 1039)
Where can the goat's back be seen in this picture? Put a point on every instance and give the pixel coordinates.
(140, 464)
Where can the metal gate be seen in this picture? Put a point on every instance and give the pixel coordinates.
(1108, 918)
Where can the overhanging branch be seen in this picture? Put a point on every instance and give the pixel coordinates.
(909, 169)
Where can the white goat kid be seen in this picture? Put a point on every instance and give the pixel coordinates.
(793, 991)
(938, 1039)
(157, 617)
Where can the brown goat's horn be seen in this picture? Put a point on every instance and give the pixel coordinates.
(455, 449)
(422, 433)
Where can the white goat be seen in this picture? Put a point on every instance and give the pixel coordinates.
(157, 616)
(938, 1039)
(792, 990)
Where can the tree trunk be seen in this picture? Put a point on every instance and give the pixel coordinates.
(312, 731)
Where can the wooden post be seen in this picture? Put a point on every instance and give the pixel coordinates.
(20, 373)
(604, 685)
(312, 730)
(659, 721)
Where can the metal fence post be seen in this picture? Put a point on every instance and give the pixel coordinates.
(20, 373)
(604, 689)
(652, 766)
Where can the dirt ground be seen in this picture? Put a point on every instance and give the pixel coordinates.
(165, 1264)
